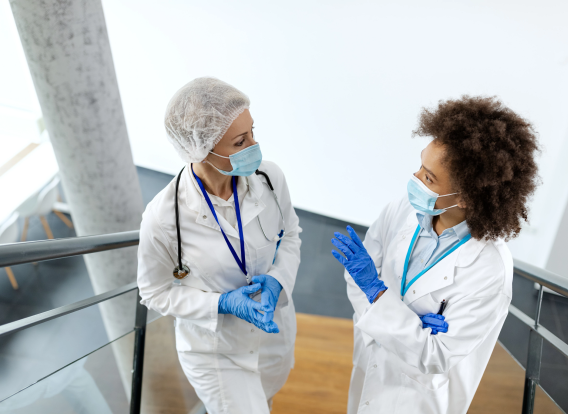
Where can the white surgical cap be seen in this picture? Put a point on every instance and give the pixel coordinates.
(199, 114)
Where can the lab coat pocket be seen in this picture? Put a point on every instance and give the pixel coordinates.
(193, 338)
(416, 397)
(425, 304)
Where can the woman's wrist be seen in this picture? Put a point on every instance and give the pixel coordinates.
(379, 295)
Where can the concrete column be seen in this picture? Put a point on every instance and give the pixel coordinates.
(68, 52)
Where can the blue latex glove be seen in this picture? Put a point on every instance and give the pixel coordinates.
(238, 303)
(436, 322)
(270, 293)
(358, 263)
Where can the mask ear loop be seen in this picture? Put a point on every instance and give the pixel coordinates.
(222, 156)
(221, 171)
(447, 208)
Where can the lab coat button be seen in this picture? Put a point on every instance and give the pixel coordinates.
(403, 237)
(256, 204)
(375, 366)
(414, 292)
(445, 277)
(204, 217)
(367, 403)
(252, 330)
(252, 352)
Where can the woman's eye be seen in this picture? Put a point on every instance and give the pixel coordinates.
(428, 179)
(240, 144)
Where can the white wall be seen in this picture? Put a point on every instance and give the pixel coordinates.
(16, 86)
(336, 86)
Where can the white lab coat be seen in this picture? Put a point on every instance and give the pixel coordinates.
(399, 367)
(201, 332)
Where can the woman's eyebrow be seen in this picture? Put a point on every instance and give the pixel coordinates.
(240, 135)
(430, 172)
(427, 170)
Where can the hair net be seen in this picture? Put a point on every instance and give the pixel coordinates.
(199, 114)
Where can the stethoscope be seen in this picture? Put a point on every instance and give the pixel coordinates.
(181, 271)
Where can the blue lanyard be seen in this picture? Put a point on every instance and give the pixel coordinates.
(242, 264)
(403, 289)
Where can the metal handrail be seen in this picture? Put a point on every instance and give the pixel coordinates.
(537, 333)
(37, 251)
(28, 322)
(552, 339)
(42, 250)
(543, 277)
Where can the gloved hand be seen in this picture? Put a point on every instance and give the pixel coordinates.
(270, 293)
(436, 322)
(358, 263)
(238, 303)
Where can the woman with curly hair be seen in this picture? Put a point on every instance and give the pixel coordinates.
(432, 282)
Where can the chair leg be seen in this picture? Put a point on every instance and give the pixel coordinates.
(46, 227)
(64, 219)
(12, 278)
(25, 230)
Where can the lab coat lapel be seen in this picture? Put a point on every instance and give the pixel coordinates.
(196, 202)
(443, 273)
(404, 237)
(206, 218)
(252, 205)
(438, 277)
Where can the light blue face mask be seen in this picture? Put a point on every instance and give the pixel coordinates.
(244, 162)
(423, 199)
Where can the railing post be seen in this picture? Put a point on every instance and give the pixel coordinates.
(138, 364)
(532, 374)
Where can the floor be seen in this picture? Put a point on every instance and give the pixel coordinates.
(320, 290)
(319, 381)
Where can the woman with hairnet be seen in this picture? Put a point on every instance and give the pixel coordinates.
(226, 228)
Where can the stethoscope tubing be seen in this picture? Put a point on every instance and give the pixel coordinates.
(258, 172)
(180, 267)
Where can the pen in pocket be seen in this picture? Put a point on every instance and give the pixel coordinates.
(442, 306)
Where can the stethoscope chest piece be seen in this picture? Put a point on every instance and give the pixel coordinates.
(181, 274)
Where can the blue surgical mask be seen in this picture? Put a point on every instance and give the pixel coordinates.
(244, 162)
(423, 199)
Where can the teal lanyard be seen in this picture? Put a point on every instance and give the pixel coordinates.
(403, 289)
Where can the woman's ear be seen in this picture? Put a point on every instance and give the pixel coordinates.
(461, 203)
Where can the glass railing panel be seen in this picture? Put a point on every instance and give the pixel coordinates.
(43, 286)
(554, 376)
(152, 316)
(36, 352)
(93, 384)
(543, 404)
(165, 387)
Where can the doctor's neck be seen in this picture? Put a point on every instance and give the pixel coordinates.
(452, 217)
(215, 183)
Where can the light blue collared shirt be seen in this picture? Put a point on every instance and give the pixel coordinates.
(430, 247)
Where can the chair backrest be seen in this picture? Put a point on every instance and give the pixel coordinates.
(9, 229)
(47, 198)
(29, 206)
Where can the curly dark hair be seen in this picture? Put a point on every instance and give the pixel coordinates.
(490, 154)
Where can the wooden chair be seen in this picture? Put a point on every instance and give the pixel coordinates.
(41, 204)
